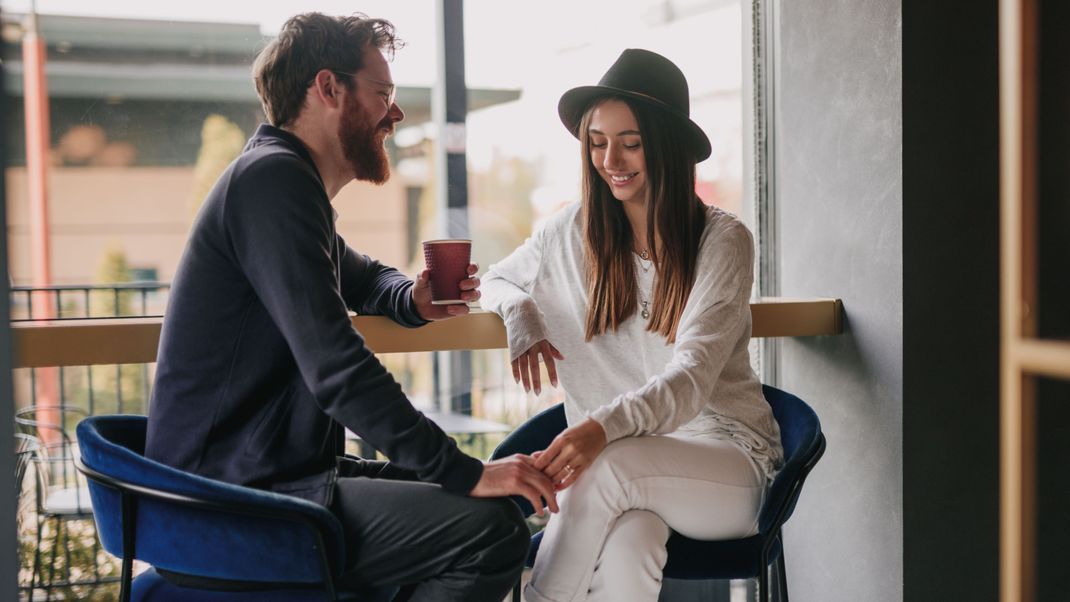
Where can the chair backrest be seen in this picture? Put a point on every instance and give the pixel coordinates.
(197, 526)
(52, 425)
(803, 442)
(536, 433)
(26, 447)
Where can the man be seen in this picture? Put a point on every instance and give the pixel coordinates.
(260, 370)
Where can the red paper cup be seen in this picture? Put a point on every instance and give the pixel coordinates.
(448, 260)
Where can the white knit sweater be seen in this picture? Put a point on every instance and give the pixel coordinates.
(630, 380)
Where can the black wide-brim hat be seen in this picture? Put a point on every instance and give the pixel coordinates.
(646, 77)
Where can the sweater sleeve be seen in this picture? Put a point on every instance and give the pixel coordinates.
(279, 225)
(371, 288)
(715, 322)
(506, 290)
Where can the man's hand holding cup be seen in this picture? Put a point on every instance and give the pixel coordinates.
(448, 283)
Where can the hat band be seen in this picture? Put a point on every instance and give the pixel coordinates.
(649, 97)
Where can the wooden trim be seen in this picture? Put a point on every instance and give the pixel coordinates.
(477, 330)
(134, 340)
(785, 317)
(1018, 202)
(1043, 358)
(85, 342)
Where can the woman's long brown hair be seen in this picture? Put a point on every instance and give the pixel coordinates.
(673, 210)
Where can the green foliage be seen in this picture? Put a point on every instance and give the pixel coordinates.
(113, 269)
(221, 142)
(108, 396)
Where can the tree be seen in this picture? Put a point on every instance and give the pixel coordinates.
(124, 385)
(221, 142)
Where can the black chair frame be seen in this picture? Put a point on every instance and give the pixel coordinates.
(768, 539)
(774, 533)
(129, 493)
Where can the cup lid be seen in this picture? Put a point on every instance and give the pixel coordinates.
(439, 241)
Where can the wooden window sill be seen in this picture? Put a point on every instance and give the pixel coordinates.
(135, 340)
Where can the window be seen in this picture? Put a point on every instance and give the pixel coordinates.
(149, 102)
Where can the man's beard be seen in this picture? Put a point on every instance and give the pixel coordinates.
(363, 145)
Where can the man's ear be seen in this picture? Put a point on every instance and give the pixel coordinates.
(325, 87)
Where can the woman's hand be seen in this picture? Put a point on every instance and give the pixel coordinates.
(571, 453)
(526, 365)
(421, 296)
(516, 475)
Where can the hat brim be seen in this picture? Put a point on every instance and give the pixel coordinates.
(574, 102)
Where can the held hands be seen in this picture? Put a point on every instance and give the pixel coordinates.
(421, 296)
(516, 475)
(571, 453)
(526, 365)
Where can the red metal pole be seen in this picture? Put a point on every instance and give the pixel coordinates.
(38, 145)
(35, 102)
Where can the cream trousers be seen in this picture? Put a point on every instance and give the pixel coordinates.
(608, 540)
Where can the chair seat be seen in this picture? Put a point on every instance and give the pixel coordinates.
(151, 587)
(700, 560)
(69, 502)
(800, 435)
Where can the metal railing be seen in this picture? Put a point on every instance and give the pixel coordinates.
(87, 301)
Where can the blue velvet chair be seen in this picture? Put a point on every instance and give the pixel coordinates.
(800, 433)
(206, 540)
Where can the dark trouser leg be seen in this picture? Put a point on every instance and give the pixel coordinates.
(452, 546)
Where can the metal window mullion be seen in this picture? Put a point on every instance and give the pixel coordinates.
(764, 46)
(449, 110)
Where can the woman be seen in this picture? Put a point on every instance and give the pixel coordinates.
(639, 298)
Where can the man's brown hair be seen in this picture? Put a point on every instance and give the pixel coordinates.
(308, 43)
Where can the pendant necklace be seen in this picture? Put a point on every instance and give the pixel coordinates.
(644, 261)
(645, 265)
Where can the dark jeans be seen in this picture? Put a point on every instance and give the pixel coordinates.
(443, 546)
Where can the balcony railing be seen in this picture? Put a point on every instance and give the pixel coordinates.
(82, 301)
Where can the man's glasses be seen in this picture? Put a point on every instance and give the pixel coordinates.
(390, 93)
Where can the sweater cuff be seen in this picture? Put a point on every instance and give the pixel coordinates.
(613, 420)
(524, 328)
(407, 314)
(463, 474)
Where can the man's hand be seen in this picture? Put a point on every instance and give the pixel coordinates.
(526, 365)
(421, 296)
(516, 475)
(571, 452)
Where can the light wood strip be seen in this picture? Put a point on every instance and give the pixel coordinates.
(786, 317)
(134, 340)
(1017, 64)
(1043, 358)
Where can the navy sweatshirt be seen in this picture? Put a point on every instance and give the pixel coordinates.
(259, 367)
